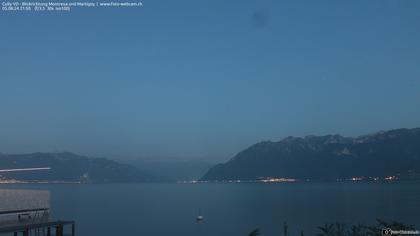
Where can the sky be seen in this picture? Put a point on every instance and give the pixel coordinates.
(195, 79)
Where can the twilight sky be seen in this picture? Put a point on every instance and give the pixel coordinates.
(205, 79)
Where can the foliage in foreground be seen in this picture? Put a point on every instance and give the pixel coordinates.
(339, 229)
(255, 232)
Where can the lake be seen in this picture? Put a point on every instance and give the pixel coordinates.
(228, 209)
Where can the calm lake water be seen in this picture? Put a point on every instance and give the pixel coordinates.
(228, 209)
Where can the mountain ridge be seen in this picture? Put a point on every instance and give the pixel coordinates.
(70, 167)
(327, 157)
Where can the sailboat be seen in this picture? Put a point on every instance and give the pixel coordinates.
(199, 218)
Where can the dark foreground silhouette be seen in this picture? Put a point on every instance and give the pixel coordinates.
(339, 229)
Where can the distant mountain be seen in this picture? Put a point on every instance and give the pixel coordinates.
(330, 157)
(70, 167)
(172, 170)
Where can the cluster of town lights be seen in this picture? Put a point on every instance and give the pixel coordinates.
(286, 180)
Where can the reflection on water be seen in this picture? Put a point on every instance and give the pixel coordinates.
(13, 199)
